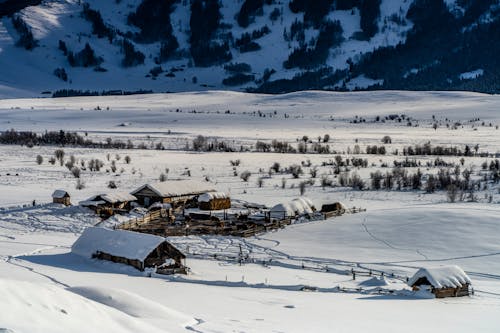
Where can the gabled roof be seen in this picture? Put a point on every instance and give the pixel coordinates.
(59, 194)
(176, 188)
(442, 277)
(207, 197)
(112, 197)
(119, 243)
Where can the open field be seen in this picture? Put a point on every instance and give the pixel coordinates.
(405, 227)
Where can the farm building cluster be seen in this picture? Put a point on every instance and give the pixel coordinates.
(184, 207)
(135, 225)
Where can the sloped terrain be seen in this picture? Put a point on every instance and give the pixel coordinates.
(71, 47)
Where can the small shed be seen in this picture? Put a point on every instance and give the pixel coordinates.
(61, 197)
(171, 191)
(131, 248)
(107, 204)
(333, 207)
(444, 281)
(214, 201)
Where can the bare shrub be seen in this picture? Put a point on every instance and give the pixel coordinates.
(452, 193)
(75, 171)
(39, 159)
(325, 181)
(80, 185)
(313, 172)
(235, 163)
(260, 182)
(245, 175)
(302, 187)
(275, 167)
(386, 139)
(295, 170)
(59, 154)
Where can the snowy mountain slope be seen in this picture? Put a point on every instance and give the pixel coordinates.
(282, 45)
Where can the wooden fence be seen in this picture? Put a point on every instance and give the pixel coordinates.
(158, 223)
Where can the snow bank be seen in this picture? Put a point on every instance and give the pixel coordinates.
(37, 307)
(174, 188)
(135, 306)
(207, 197)
(442, 277)
(120, 243)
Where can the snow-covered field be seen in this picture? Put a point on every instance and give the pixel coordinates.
(46, 288)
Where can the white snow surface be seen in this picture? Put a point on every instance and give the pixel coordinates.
(442, 277)
(400, 232)
(120, 243)
(52, 309)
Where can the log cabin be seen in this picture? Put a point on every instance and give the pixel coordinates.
(135, 249)
(173, 192)
(444, 281)
(61, 197)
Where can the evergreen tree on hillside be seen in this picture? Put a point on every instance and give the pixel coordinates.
(204, 23)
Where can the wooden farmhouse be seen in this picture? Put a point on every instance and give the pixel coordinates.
(61, 197)
(108, 204)
(131, 248)
(214, 201)
(173, 192)
(445, 281)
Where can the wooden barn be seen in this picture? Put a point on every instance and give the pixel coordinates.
(108, 204)
(172, 191)
(333, 209)
(445, 281)
(61, 197)
(131, 248)
(214, 201)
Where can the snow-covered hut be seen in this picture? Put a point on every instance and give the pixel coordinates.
(214, 201)
(61, 197)
(172, 191)
(335, 207)
(444, 281)
(109, 203)
(296, 207)
(131, 248)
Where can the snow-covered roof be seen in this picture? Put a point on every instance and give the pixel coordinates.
(113, 197)
(442, 277)
(119, 243)
(298, 206)
(59, 194)
(175, 188)
(207, 197)
(160, 205)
